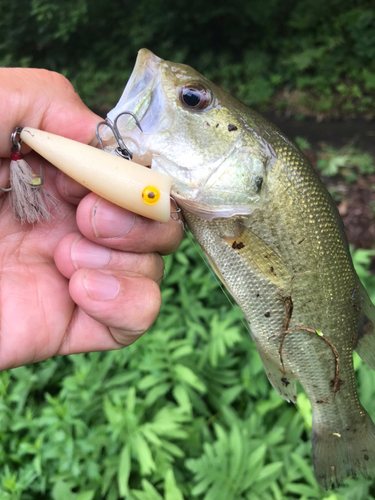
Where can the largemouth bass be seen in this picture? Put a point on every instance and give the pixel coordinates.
(274, 237)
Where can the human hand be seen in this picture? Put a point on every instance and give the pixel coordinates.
(88, 279)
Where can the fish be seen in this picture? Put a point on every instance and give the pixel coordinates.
(273, 235)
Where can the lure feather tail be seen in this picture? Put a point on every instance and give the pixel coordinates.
(28, 198)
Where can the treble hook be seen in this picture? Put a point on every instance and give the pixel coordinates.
(124, 152)
(176, 211)
(121, 150)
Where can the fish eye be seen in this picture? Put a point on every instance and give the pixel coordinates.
(195, 96)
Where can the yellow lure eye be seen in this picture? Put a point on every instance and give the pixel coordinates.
(150, 195)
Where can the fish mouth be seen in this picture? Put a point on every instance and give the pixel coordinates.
(143, 97)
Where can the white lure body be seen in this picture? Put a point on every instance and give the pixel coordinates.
(124, 183)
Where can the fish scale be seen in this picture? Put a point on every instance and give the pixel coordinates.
(274, 237)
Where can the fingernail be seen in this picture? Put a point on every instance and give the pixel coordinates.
(110, 221)
(84, 253)
(101, 286)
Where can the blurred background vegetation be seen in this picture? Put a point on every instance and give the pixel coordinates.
(315, 56)
(187, 412)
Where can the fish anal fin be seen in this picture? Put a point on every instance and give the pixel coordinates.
(284, 384)
(365, 341)
(342, 453)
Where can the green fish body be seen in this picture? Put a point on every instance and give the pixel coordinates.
(274, 237)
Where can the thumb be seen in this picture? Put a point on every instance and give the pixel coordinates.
(45, 100)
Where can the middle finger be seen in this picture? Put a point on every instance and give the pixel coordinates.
(75, 252)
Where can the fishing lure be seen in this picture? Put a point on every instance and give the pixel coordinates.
(113, 176)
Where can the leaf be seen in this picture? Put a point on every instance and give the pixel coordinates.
(182, 397)
(257, 456)
(301, 489)
(148, 493)
(124, 468)
(141, 448)
(183, 351)
(86, 495)
(172, 492)
(185, 374)
(236, 441)
(131, 400)
(156, 393)
(304, 407)
(269, 473)
(306, 470)
(148, 382)
(61, 491)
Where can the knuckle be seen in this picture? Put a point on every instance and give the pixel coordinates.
(141, 313)
(150, 265)
(59, 80)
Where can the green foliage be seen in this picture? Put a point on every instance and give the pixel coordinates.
(302, 142)
(315, 56)
(348, 161)
(362, 260)
(185, 413)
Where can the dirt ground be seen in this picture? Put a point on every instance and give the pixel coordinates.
(357, 201)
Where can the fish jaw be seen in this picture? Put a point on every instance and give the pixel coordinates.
(211, 178)
(143, 98)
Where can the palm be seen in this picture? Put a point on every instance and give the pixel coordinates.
(35, 301)
(38, 316)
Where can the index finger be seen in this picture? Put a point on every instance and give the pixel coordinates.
(109, 225)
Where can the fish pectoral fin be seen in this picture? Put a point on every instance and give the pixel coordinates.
(365, 340)
(262, 258)
(284, 384)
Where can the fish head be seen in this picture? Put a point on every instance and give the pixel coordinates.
(194, 132)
